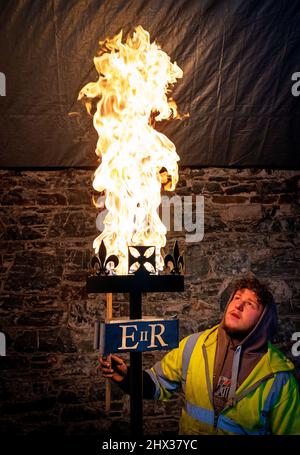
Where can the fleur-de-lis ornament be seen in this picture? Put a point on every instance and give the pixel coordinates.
(175, 263)
(100, 261)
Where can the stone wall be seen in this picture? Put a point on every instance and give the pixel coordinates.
(49, 382)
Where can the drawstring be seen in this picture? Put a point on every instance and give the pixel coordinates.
(234, 376)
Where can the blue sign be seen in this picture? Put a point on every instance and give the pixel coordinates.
(136, 335)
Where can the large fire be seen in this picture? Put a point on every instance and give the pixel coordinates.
(136, 160)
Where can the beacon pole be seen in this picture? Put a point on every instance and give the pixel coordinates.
(134, 284)
(136, 373)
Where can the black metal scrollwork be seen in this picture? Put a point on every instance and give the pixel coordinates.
(175, 262)
(100, 262)
(141, 255)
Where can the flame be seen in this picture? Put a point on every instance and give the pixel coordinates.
(129, 95)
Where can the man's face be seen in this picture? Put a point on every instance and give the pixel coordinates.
(243, 313)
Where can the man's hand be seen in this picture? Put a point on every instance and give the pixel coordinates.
(113, 367)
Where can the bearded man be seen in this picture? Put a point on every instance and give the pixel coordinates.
(234, 380)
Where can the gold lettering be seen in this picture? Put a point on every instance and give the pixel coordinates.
(125, 336)
(157, 335)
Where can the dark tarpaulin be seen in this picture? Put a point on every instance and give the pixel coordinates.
(237, 56)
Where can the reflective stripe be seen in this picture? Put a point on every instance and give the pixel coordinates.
(279, 382)
(154, 379)
(198, 413)
(161, 380)
(186, 355)
(224, 423)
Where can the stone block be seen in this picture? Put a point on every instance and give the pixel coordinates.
(35, 270)
(81, 413)
(277, 266)
(79, 196)
(26, 341)
(263, 199)
(196, 262)
(198, 187)
(44, 404)
(14, 362)
(39, 318)
(32, 218)
(241, 212)
(229, 199)
(12, 233)
(18, 197)
(56, 340)
(228, 263)
(213, 187)
(48, 198)
(79, 223)
(11, 302)
(237, 189)
(29, 233)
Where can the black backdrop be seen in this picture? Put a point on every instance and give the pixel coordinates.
(238, 58)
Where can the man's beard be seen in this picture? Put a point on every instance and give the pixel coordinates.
(236, 334)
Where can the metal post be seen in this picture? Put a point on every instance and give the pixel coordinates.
(134, 284)
(108, 317)
(136, 373)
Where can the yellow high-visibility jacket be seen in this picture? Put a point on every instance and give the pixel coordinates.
(267, 402)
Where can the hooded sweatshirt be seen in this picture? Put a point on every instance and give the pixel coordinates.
(251, 349)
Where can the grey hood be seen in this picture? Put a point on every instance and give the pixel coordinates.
(261, 334)
(253, 346)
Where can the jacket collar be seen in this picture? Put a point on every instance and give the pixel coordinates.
(273, 361)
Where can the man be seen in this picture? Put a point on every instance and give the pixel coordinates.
(234, 380)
